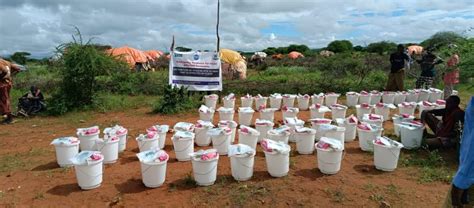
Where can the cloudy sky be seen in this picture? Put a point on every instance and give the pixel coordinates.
(37, 26)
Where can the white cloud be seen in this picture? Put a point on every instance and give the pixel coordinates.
(39, 26)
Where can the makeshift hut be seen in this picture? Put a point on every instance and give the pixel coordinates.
(135, 58)
(415, 49)
(295, 55)
(278, 56)
(233, 65)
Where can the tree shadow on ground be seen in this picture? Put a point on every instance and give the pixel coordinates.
(64, 189)
(312, 174)
(131, 186)
(47, 166)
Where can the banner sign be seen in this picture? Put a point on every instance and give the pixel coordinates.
(198, 71)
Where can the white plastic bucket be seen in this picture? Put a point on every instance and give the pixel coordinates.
(375, 98)
(396, 122)
(289, 114)
(303, 103)
(364, 99)
(406, 110)
(248, 139)
(377, 122)
(201, 137)
(383, 111)
(246, 102)
(161, 140)
(262, 101)
(206, 116)
(319, 132)
(316, 114)
(399, 98)
(205, 171)
(361, 111)
(242, 167)
(182, 148)
(210, 102)
(386, 158)
(338, 113)
(317, 100)
(329, 160)
(221, 143)
(229, 103)
(263, 129)
(65, 152)
(352, 99)
(226, 116)
(279, 138)
(275, 103)
(153, 173)
(289, 101)
(424, 96)
(305, 143)
(147, 144)
(89, 176)
(388, 98)
(331, 100)
(87, 143)
(411, 139)
(122, 142)
(245, 118)
(423, 108)
(366, 137)
(412, 97)
(278, 164)
(109, 149)
(337, 134)
(350, 133)
(267, 115)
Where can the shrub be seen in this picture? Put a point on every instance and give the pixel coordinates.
(174, 100)
(339, 46)
(383, 47)
(441, 39)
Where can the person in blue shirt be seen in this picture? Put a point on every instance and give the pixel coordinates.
(464, 178)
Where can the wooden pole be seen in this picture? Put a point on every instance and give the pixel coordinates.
(217, 25)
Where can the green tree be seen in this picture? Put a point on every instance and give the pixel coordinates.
(299, 48)
(339, 46)
(359, 48)
(382, 47)
(270, 51)
(20, 57)
(441, 39)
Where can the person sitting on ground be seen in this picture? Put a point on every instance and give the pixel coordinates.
(427, 63)
(31, 103)
(446, 129)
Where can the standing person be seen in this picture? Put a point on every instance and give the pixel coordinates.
(397, 70)
(427, 63)
(7, 70)
(464, 178)
(451, 77)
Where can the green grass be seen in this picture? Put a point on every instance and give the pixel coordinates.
(20, 161)
(431, 165)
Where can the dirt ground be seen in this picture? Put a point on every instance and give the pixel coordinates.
(29, 175)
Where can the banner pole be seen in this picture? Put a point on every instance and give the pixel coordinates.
(217, 26)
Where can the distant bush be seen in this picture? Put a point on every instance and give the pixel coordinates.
(383, 47)
(339, 46)
(441, 39)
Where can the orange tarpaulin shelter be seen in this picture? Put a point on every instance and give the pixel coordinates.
(277, 56)
(414, 48)
(295, 55)
(129, 55)
(153, 54)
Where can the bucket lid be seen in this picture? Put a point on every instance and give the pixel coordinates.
(116, 130)
(321, 121)
(332, 94)
(151, 135)
(367, 127)
(230, 124)
(246, 110)
(240, 150)
(269, 145)
(267, 110)
(225, 110)
(329, 144)
(387, 142)
(372, 117)
(249, 131)
(293, 122)
(159, 128)
(230, 96)
(108, 140)
(65, 141)
(204, 124)
(204, 155)
(304, 130)
(364, 105)
(282, 130)
(153, 156)
(205, 109)
(262, 122)
(276, 95)
(305, 96)
(87, 157)
(184, 126)
(183, 135)
(320, 95)
(289, 96)
(351, 93)
(290, 109)
(338, 107)
(94, 130)
(219, 131)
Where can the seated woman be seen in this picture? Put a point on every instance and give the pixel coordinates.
(446, 129)
(32, 102)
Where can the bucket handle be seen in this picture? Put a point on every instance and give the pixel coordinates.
(190, 143)
(343, 155)
(212, 169)
(238, 161)
(217, 145)
(92, 177)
